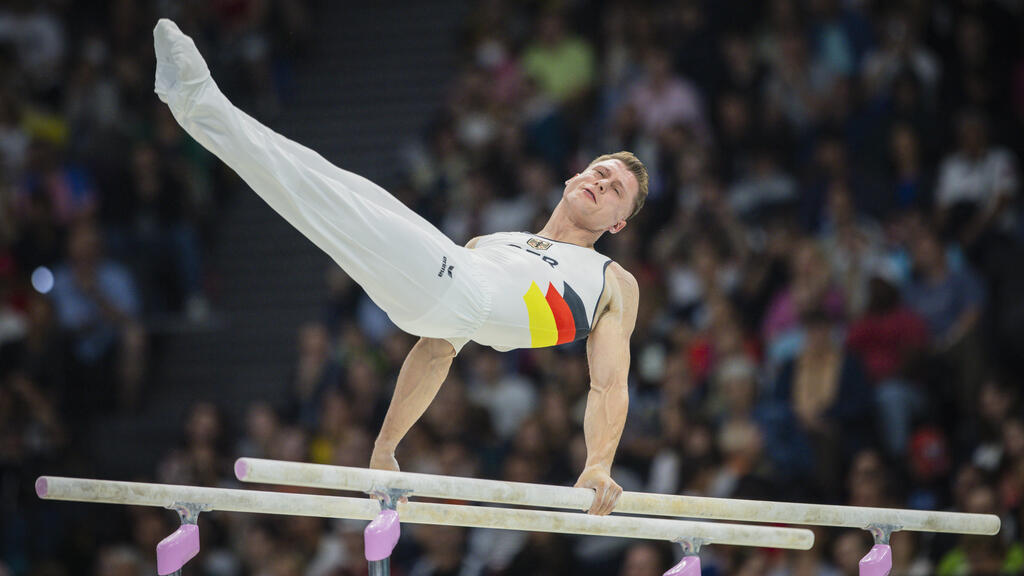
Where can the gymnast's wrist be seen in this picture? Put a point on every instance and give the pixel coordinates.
(385, 446)
(598, 467)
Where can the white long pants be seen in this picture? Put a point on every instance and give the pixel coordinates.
(428, 285)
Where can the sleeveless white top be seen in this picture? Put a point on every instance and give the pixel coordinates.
(543, 292)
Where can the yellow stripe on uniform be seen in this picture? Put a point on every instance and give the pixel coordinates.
(543, 330)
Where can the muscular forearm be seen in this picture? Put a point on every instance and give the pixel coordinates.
(603, 423)
(421, 376)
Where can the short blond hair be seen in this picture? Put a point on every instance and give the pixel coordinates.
(634, 165)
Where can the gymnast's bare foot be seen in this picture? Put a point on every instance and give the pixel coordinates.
(178, 61)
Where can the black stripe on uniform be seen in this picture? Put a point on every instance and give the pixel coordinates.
(579, 313)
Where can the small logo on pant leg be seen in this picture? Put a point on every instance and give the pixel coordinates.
(444, 265)
(450, 268)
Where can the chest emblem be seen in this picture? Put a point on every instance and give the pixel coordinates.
(555, 318)
(539, 244)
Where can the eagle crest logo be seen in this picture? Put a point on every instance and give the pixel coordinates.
(539, 244)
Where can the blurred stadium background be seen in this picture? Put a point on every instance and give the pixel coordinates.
(830, 264)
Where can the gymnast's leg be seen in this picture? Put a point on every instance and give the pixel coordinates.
(392, 252)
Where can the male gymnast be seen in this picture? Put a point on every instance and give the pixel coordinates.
(507, 290)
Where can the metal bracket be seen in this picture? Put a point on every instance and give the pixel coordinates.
(882, 532)
(389, 497)
(189, 511)
(691, 546)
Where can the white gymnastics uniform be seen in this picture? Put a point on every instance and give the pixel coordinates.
(513, 290)
(545, 292)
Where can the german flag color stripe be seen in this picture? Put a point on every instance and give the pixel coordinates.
(555, 318)
(543, 330)
(563, 316)
(579, 312)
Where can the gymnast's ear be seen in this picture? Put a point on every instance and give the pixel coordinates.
(617, 227)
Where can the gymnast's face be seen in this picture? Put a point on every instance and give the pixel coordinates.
(601, 197)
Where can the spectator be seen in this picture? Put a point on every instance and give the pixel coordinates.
(977, 554)
(810, 289)
(722, 338)
(901, 51)
(734, 392)
(741, 445)
(977, 185)
(697, 275)
(163, 238)
(622, 61)
(93, 98)
(848, 549)
(316, 371)
(97, 304)
(763, 188)
(912, 180)
(661, 99)
(868, 482)
(201, 459)
(950, 301)
(66, 188)
(509, 399)
(262, 426)
(36, 33)
(997, 403)
(907, 556)
(335, 423)
(852, 243)
(562, 64)
(796, 89)
(889, 340)
(829, 397)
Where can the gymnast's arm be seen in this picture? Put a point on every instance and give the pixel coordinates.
(421, 376)
(608, 399)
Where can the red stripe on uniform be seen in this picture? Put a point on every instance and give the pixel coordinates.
(563, 316)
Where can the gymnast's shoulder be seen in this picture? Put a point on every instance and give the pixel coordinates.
(621, 294)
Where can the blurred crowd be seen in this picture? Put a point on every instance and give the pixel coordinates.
(832, 308)
(106, 210)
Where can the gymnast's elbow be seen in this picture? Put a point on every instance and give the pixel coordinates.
(612, 385)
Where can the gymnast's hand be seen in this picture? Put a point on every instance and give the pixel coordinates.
(607, 491)
(383, 460)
